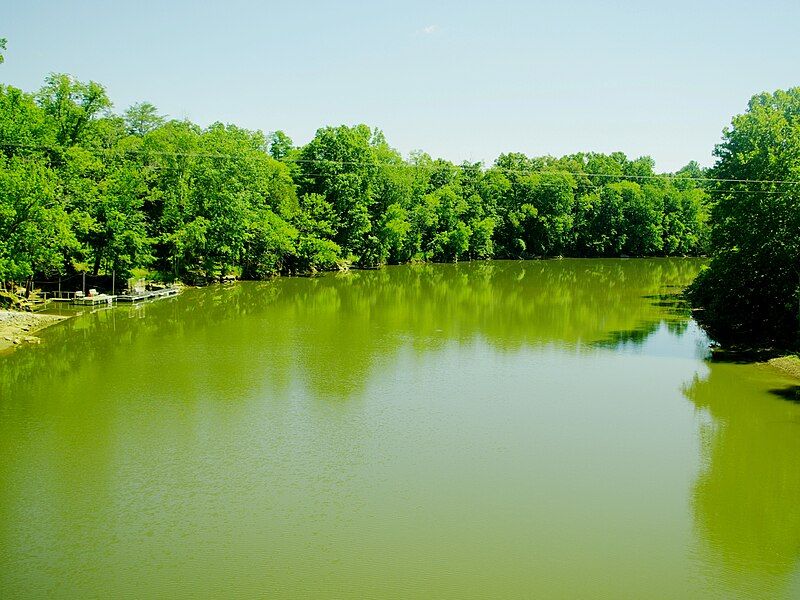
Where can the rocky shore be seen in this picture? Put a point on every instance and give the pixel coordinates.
(18, 327)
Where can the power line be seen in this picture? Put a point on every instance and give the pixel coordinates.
(405, 165)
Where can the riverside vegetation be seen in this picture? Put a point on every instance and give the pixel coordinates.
(751, 291)
(85, 190)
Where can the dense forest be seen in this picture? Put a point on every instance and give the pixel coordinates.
(83, 189)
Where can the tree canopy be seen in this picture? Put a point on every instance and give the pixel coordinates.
(751, 290)
(85, 189)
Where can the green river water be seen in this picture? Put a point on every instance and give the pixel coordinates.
(548, 429)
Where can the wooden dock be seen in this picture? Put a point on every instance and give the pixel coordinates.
(94, 300)
(77, 298)
(148, 295)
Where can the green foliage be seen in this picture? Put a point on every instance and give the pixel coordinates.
(137, 192)
(24, 126)
(751, 290)
(280, 145)
(270, 243)
(72, 105)
(339, 165)
(33, 225)
(142, 118)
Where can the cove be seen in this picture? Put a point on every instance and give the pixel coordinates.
(501, 429)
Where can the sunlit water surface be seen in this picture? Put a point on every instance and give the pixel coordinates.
(483, 430)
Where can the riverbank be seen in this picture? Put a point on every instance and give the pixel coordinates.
(789, 365)
(18, 327)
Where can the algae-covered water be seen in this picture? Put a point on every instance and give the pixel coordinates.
(482, 430)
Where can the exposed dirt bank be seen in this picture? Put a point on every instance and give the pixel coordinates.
(18, 327)
(789, 365)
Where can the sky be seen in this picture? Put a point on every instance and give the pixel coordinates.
(462, 81)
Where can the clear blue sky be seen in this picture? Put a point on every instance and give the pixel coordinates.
(457, 80)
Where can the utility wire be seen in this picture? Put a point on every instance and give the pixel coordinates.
(431, 167)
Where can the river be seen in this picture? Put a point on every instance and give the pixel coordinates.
(505, 429)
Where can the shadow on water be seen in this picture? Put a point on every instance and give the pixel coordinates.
(334, 332)
(630, 337)
(675, 315)
(790, 393)
(673, 304)
(746, 499)
(745, 355)
(331, 334)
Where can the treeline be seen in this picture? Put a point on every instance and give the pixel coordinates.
(85, 190)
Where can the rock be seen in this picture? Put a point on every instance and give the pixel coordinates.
(17, 341)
